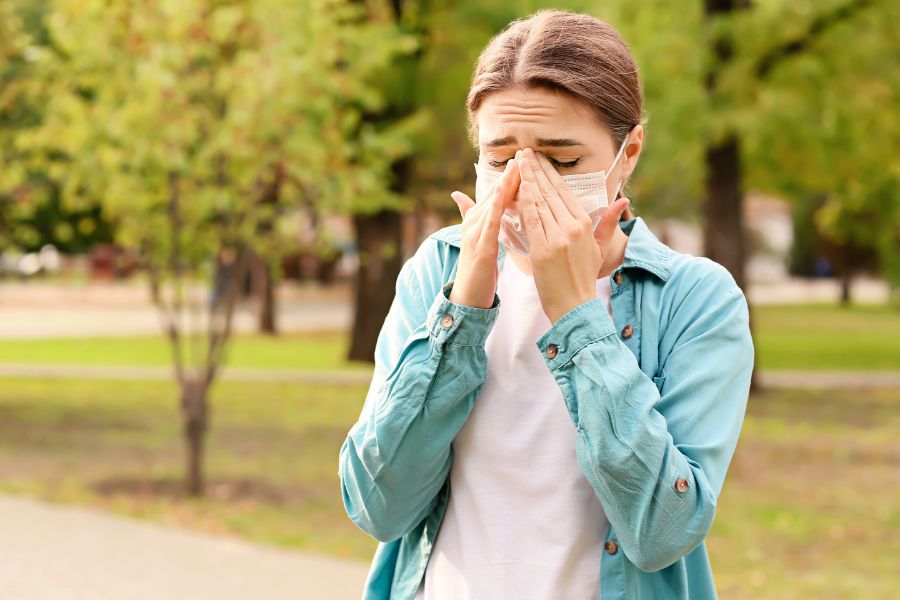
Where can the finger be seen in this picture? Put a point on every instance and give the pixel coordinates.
(552, 195)
(529, 181)
(509, 183)
(496, 194)
(463, 202)
(477, 216)
(491, 225)
(565, 192)
(610, 220)
(534, 225)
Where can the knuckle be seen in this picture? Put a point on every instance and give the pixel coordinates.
(573, 231)
(557, 246)
(543, 256)
(584, 221)
(533, 222)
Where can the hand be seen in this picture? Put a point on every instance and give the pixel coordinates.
(566, 253)
(476, 273)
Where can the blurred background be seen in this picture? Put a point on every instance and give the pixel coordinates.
(204, 205)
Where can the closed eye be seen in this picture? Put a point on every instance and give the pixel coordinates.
(561, 165)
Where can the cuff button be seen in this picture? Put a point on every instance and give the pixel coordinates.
(611, 547)
(681, 486)
(447, 321)
(552, 351)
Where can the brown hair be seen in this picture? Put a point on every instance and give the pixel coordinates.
(563, 51)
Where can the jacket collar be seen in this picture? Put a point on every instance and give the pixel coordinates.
(643, 250)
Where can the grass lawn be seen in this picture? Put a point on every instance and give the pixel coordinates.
(820, 337)
(809, 508)
(272, 455)
(310, 351)
(790, 337)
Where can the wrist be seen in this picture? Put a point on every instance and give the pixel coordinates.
(555, 313)
(458, 295)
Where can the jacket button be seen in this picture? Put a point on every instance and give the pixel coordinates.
(681, 485)
(627, 331)
(447, 321)
(552, 351)
(611, 547)
(618, 278)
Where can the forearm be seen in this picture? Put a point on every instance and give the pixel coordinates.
(397, 456)
(660, 502)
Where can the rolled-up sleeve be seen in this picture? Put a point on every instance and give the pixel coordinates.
(656, 449)
(430, 366)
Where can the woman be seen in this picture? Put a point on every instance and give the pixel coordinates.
(571, 443)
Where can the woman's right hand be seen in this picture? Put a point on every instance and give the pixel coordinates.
(476, 272)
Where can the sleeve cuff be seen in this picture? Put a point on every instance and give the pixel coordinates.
(585, 324)
(449, 322)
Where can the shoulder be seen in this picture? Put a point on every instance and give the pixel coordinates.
(698, 285)
(689, 271)
(429, 267)
(448, 235)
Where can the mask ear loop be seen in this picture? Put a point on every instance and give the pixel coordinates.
(615, 161)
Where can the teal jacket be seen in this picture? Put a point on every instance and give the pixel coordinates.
(657, 396)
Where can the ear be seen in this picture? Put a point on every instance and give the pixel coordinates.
(634, 144)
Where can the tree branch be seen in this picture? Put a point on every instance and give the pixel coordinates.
(819, 26)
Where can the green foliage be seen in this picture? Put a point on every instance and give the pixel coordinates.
(325, 97)
(825, 122)
(227, 113)
(14, 114)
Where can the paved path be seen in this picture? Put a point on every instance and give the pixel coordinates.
(769, 379)
(45, 310)
(53, 310)
(50, 552)
(58, 371)
(820, 380)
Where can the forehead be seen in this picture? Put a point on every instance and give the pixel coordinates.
(535, 113)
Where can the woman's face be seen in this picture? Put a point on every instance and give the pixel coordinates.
(561, 127)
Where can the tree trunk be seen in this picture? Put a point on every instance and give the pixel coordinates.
(723, 223)
(846, 285)
(267, 308)
(723, 207)
(264, 290)
(195, 412)
(378, 239)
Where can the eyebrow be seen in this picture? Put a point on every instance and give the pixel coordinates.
(541, 142)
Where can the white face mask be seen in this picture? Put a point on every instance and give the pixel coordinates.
(588, 188)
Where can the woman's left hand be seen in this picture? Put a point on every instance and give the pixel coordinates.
(566, 253)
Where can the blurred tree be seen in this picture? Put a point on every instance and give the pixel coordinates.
(197, 124)
(31, 211)
(17, 110)
(377, 221)
(710, 71)
(828, 130)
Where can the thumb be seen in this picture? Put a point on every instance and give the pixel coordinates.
(462, 201)
(610, 219)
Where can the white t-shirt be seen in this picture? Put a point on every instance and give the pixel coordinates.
(522, 521)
